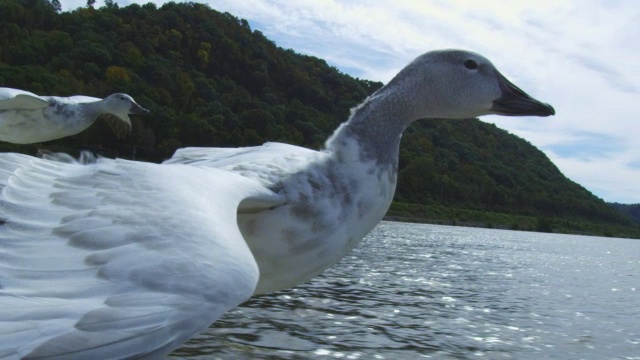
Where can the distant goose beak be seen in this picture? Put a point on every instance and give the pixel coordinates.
(515, 102)
(138, 110)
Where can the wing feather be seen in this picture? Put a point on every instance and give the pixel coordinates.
(82, 99)
(268, 164)
(118, 258)
(15, 99)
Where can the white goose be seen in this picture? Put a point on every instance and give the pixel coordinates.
(27, 118)
(116, 259)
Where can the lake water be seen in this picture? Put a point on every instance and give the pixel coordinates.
(412, 291)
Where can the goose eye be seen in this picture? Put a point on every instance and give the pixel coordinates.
(121, 97)
(471, 65)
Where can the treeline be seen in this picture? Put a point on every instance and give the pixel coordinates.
(472, 164)
(210, 80)
(631, 210)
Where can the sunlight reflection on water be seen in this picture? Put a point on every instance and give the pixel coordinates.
(425, 291)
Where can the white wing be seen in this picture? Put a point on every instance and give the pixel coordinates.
(78, 99)
(220, 157)
(15, 99)
(116, 258)
(268, 164)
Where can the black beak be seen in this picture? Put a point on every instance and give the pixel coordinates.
(138, 110)
(515, 102)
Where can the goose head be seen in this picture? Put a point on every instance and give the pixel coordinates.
(121, 105)
(456, 84)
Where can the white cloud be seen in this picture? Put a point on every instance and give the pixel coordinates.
(583, 57)
(616, 178)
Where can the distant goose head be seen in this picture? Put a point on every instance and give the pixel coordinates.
(115, 110)
(121, 105)
(456, 84)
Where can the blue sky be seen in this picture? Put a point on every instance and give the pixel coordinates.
(583, 57)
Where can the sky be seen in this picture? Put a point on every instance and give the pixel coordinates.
(581, 56)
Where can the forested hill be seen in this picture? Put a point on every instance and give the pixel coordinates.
(632, 210)
(210, 80)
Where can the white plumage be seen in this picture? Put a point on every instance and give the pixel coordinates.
(114, 258)
(27, 118)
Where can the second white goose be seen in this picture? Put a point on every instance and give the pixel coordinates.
(27, 118)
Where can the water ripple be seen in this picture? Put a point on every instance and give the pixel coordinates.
(423, 291)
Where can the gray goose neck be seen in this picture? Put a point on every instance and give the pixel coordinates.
(376, 126)
(92, 110)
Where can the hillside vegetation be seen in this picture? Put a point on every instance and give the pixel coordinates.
(210, 80)
(631, 210)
